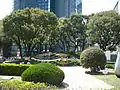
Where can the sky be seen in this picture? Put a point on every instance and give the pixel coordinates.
(94, 6)
(89, 6)
(6, 7)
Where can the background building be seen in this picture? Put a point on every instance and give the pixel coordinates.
(117, 7)
(62, 8)
(79, 6)
(21, 4)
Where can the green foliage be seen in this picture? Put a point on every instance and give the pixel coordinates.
(66, 63)
(22, 85)
(29, 27)
(50, 56)
(44, 72)
(13, 69)
(72, 33)
(104, 29)
(111, 66)
(93, 58)
(59, 55)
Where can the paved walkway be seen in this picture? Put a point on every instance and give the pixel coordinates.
(76, 78)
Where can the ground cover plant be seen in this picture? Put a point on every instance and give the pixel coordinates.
(23, 85)
(13, 69)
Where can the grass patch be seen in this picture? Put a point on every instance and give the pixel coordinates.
(110, 79)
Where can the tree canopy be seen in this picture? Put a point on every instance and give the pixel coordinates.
(28, 27)
(72, 32)
(104, 29)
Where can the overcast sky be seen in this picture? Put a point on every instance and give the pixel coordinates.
(89, 6)
(94, 6)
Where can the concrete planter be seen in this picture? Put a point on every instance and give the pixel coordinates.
(117, 64)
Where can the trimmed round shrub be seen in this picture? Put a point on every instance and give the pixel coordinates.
(93, 58)
(44, 72)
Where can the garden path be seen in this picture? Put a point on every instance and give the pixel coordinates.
(77, 79)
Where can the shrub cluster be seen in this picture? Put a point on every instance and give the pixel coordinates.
(44, 72)
(66, 63)
(13, 69)
(22, 85)
(111, 66)
(93, 58)
(50, 56)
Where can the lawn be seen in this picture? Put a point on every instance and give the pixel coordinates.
(111, 79)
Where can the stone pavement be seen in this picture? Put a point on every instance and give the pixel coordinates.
(76, 79)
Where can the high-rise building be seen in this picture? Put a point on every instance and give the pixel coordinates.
(117, 7)
(62, 8)
(21, 4)
(79, 6)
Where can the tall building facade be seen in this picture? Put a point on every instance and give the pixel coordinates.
(117, 7)
(62, 8)
(21, 4)
(79, 6)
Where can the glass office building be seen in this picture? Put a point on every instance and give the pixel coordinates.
(21, 4)
(117, 7)
(62, 8)
(79, 6)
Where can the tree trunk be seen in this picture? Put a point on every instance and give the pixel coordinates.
(20, 48)
(45, 47)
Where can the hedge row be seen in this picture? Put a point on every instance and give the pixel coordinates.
(23, 85)
(13, 69)
(18, 69)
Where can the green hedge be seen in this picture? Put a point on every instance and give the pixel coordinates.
(13, 69)
(18, 69)
(22, 85)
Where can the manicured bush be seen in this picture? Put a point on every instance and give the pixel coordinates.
(44, 72)
(111, 66)
(59, 55)
(22, 85)
(46, 56)
(13, 69)
(66, 63)
(93, 58)
(74, 54)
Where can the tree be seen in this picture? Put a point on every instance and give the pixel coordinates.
(72, 32)
(29, 27)
(104, 29)
(1, 32)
